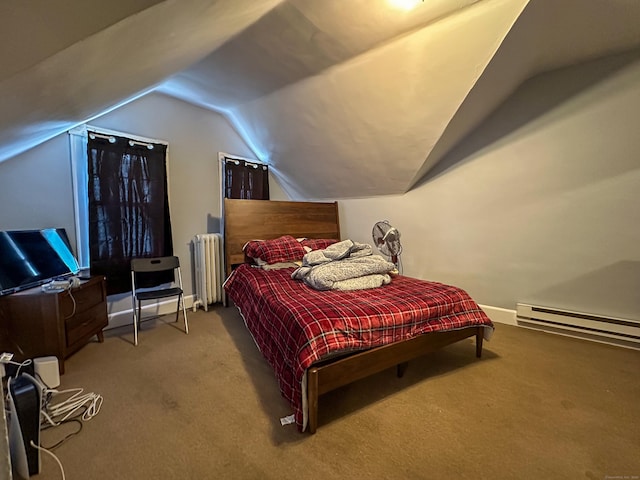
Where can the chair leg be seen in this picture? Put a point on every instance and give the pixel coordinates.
(184, 314)
(135, 325)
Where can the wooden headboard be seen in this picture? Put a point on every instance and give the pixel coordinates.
(246, 220)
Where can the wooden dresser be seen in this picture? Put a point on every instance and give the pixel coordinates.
(34, 323)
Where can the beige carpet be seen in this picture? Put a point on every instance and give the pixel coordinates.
(206, 406)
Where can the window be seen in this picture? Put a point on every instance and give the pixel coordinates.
(122, 205)
(244, 179)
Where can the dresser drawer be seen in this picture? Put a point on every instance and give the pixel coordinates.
(81, 299)
(85, 324)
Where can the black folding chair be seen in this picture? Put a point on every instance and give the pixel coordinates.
(145, 266)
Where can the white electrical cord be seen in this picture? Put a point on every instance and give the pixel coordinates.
(11, 362)
(67, 408)
(74, 304)
(52, 454)
(91, 402)
(20, 365)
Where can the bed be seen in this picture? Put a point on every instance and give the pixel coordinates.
(317, 341)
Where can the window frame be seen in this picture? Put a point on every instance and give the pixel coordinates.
(222, 156)
(79, 176)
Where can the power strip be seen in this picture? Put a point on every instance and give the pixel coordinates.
(61, 285)
(56, 286)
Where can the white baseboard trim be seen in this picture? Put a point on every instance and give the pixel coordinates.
(124, 318)
(500, 315)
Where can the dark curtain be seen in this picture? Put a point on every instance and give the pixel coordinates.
(245, 180)
(128, 209)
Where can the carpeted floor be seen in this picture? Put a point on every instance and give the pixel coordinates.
(207, 406)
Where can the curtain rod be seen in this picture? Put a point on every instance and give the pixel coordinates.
(93, 136)
(143, 144)
(87, 129)
(112, 139)
(247, 163)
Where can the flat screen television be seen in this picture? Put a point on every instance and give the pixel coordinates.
(29, 258)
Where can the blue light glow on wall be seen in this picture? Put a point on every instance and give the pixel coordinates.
(62, 248)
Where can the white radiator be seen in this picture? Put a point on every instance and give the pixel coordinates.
(209, 265)
(600, 328)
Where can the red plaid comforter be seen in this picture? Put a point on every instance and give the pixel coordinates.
(295, 325)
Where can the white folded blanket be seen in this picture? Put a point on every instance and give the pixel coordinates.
(345, 265)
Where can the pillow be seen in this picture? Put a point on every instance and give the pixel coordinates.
(281, 265)
(283, 249)
(310, 244)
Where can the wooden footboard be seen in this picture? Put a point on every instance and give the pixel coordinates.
(324, 378)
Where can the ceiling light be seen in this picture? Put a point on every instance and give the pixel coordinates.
(405, 4)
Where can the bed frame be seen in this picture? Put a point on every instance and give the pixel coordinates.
(246, 220)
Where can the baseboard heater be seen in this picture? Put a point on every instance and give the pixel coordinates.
(617, 331)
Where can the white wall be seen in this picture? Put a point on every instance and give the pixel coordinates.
(541, 199)
(36, 191)
(35, 188)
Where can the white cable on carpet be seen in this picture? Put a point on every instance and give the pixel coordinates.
(52, 454)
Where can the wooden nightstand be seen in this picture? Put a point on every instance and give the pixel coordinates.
(34, 323)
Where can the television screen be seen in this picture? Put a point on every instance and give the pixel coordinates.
(29, 258)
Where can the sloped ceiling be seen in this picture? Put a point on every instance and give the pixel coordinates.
(343, 98)
(52, 92)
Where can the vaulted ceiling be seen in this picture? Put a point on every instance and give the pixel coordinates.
(343, 98)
